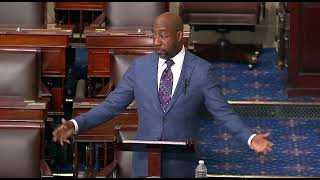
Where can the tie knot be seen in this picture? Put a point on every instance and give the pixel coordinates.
(169, 62)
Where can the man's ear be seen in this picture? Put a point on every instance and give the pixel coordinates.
(180, 35)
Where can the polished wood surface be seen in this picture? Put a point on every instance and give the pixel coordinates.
(88, 6)
(304, 38)
(54, 44)
(23, 110)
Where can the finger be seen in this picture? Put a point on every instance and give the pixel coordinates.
(67, 141)
(63, 122)
(268, 149)
(266, 135)
(61, 141)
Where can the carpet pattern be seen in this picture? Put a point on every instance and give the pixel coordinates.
(264, 83)
(295, 150)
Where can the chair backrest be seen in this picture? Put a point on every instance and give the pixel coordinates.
(220, 13)
(133, 13)
(22, 14)
(19, 73)
(20, 149)
(120, 64)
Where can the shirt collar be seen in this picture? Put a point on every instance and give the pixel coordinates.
(177, 59)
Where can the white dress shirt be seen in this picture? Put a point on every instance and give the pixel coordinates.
(176, 71)
(175, 68)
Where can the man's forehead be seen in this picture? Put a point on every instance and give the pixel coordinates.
(159, 28)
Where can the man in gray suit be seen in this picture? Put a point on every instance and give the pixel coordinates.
(172, 88)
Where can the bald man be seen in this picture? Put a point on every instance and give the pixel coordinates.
(173, 89)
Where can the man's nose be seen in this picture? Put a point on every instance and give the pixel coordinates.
(156, 41)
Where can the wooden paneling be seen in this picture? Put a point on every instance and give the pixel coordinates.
(304, 38)
(99, 65)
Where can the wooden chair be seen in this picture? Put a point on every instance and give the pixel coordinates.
(225, 17)
(141, 14)
(24, 25)
(23, 14)
(22, 150)
(20, 73)
(22, 115)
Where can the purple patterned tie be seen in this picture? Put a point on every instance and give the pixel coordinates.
(165, 87)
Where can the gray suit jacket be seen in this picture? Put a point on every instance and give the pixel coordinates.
(197, 91)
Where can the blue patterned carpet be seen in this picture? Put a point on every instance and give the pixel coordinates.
(295, 151)
(264, 83)
(296, 141)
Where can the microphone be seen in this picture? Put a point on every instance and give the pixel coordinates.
(186, 83)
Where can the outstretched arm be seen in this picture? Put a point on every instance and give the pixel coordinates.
(221, 111)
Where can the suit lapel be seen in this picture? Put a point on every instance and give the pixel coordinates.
(184, 78)
(154, 80)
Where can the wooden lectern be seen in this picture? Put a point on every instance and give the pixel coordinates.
(124, 141)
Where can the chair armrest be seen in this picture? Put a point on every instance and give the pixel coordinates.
(45, 169)
(44, 91)
(106, 89)
(108, 170)
(99, 20)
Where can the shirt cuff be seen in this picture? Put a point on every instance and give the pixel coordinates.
(250, 139)
(76, 127)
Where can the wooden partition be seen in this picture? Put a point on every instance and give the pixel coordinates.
(304, 38)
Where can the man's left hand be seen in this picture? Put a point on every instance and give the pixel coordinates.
(261, 144)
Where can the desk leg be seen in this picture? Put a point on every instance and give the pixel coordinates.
(105, 154)
(154, 162)
(90, 158)
(90, 85)
(75, 159)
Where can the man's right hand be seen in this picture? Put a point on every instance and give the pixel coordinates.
(63, 132)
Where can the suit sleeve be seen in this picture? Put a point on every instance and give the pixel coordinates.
(219, 108)
(114, 103)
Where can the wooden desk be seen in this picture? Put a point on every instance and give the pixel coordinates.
(100, 41)
(21, 110)
(304, 38)
(54, 44)
(104, 133)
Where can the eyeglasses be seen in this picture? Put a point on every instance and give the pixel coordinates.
(160, 36)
